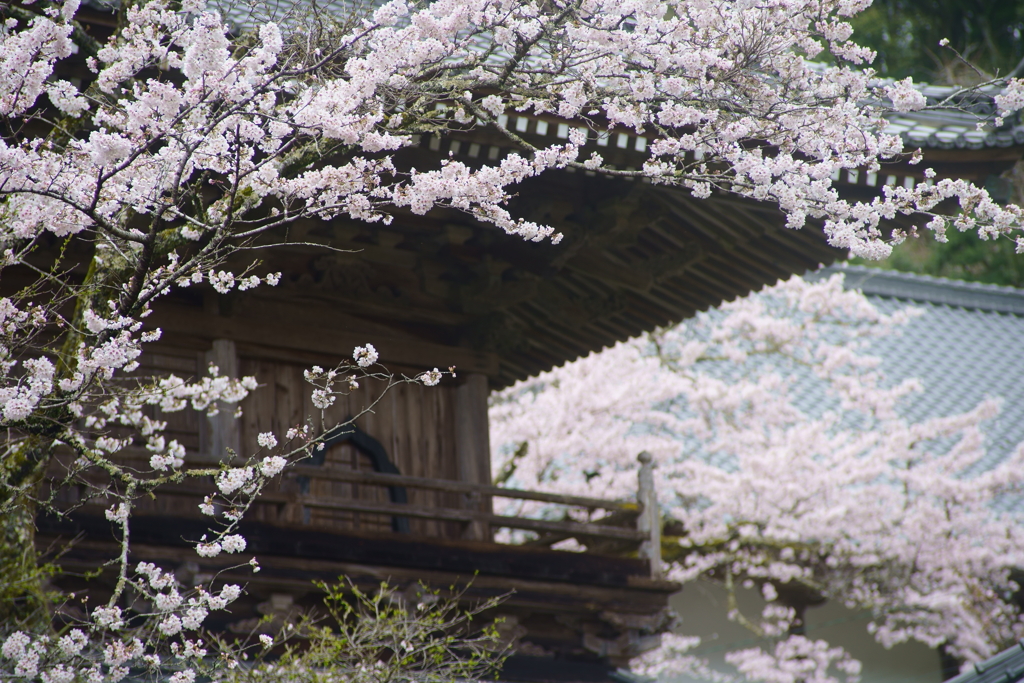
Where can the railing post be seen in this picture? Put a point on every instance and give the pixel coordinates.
(649, 520)
(220, 433)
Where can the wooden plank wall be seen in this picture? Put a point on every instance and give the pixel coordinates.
(426, 432)
(416, 425)
(183, 425)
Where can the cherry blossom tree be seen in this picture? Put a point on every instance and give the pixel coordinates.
(424, 634)
(188, 142)
(784, 464)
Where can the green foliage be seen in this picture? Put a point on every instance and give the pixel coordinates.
(906, 35)
(964, 257)
(990, 35)
(417, 636)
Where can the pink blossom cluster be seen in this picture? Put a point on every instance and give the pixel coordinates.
(189, 141)
(344, 379)
(163, 634)
(104, 649)
(166, 633)
(796, 659)
(847, 499)
(203, 154)
(703, 80)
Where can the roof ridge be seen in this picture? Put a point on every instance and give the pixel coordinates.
(928, 289)
(1005, 667)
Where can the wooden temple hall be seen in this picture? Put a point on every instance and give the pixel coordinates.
(407, 495)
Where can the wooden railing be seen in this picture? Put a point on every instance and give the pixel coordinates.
(627, 526)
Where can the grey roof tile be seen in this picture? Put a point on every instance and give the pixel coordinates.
(1005, 667)
(967, 346)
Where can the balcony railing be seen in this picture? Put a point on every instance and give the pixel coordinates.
(388, 502)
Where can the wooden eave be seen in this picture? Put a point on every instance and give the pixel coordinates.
(635, 257)
(442, 289)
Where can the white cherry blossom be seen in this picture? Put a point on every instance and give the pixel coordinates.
(840, 495)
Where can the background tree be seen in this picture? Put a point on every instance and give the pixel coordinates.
(963, 257)
(905, 34)
(416, 636)
(842, 499)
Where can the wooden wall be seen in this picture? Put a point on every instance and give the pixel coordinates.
(435, 432)
(415, 424)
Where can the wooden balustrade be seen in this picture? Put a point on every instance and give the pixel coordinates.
(628, 525)
(611, 527)
(625, 527)
(460, 487)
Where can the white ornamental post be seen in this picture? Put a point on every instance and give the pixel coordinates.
(649, 520)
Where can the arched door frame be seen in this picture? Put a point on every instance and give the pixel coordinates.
(374, 450)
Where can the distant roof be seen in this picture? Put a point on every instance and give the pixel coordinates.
(1005, 667)
(947, 129)
(968, 345)
(931, 129)
(955, 128)
(934, 290)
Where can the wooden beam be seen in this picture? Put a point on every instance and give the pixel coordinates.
(594, 263)
(473, 446)
(510, 563)
(576, 529)
(364, 477)
(315, 331)
(220, 435)
(544, 593)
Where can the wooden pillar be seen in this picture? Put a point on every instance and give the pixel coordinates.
(473, 446)
(649, 520)
(221, 432)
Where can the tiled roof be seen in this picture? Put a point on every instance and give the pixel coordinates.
(931, 129)
(951, 130)
(955, 129)
(893, 284)
(968, 345)
(1005, 667)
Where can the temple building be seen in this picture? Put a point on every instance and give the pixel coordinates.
(406, 495)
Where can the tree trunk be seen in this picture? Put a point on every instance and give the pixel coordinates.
(23, 598)
(23, 601)
(950, 664)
